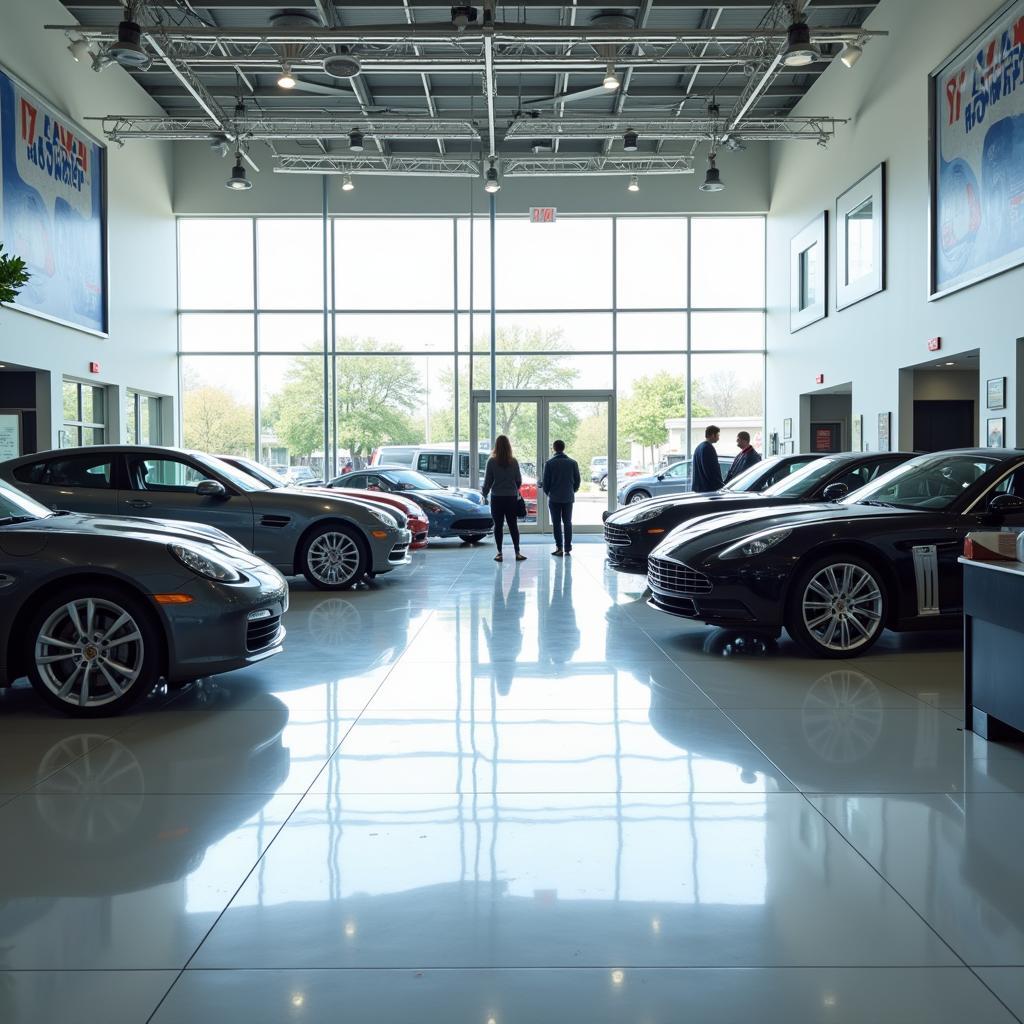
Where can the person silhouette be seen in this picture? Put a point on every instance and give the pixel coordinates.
(505, 632)
(559, 633)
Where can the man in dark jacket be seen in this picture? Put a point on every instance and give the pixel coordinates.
(707, 472)
(746, 458)
(560, 483)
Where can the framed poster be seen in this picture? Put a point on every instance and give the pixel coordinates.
(53, 209)
(826, 437)
(995, 432)
(995, 393)
(860, 239)
(808, 273)
(857, 433)
(976, 147)
(787, 428)
(10, 435)
(884, 429)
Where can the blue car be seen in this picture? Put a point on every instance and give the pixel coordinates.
(451, 513)
(674, 480)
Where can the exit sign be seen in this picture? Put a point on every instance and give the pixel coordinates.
(934, 344)
(820, 379)
(543, 214)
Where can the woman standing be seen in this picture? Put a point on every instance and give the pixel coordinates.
(502, 481)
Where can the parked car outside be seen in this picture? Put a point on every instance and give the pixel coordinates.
(674, 480)
(298, 475)
(451, 514)
(624, 471)
(333, 541)
(631, 533)
(95, 610)
(418, 524)
(836, 575)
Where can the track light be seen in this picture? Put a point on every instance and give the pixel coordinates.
(286, 80)
(712, 180)
(491, 183)
(127, 49)
(79, 49)
(852, 52)
(238, 181)
(799, 51)
(630, 142)
(611, 79)
(355, 140)
(634, 183)
(462, 16)
(347, 185)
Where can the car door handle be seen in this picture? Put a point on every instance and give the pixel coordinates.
(139, 503)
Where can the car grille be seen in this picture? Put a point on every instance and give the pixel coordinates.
(477, 525)
(262, 633)
(676, 578)
(615, 534)
(398, 553)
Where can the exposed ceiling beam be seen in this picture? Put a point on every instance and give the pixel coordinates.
(311, 5)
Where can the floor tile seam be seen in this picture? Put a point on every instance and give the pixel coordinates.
(995, 995)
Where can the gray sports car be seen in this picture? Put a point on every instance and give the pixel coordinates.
(96, 609)
(333, 541)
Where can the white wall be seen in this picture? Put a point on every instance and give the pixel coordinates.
(885, 98)
(141, 350)
(200, 175)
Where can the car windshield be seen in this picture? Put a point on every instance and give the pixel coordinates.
(243, 481)
(803, 481)
(410, 480)
(261, 473)
(18, 506)
(750, 478)
(928, 482)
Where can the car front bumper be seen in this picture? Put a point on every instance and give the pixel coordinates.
(461, 525)
(628, 548)
(390, 552)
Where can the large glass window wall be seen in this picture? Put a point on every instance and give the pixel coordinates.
(666, 312)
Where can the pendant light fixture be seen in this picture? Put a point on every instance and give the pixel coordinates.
(355, 140)
(347, 185)
(238, 182)
(491, 183)
(611, 79)
(634, 183)
(286, 80)
(630, 142)
(799, 51)
(713, 179)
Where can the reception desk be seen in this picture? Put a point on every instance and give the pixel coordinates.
(994, 648)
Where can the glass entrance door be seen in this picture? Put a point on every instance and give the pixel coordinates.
(533, 420)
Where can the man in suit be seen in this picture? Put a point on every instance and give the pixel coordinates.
(560, 483)
(746, 458)
(707, 472)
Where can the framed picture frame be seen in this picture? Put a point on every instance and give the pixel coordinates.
(53, 209)
(787, 428)
(808, 274)
(995, 393)
(857, 433)
(975, 117)
(860, 239)
(885, 432)
(995, 432)
(11, 434)
(826, 438)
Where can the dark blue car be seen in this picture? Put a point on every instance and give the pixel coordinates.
(451, 513)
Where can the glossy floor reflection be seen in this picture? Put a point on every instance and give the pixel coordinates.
(515, 793)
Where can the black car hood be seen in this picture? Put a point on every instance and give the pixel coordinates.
(723, 499)
(725, 528)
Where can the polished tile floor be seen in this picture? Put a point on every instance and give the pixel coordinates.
(511, 794)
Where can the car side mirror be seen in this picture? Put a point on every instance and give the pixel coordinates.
(661, 476)
(1003, 504)
(835, 492)
(211, 489)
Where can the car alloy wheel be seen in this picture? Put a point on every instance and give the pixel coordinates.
(89, 652)
(842, 606)
(333, 558)
(636, 497)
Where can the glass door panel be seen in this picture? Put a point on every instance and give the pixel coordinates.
(517, 417)
(583, 425)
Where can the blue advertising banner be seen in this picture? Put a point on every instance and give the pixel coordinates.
(977, 156)
(53, 209)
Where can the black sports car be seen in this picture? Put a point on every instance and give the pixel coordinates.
(836, 575)
(632, 533)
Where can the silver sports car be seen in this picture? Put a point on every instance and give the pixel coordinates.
(332, 541)
(96, 609)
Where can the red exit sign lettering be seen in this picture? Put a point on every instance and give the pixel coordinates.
(934, 344)
(543, 214)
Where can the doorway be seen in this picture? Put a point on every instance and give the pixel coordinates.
(939, 404)
(941, 424)
(532, 420)
(825, 418)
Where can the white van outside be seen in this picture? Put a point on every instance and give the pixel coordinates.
(434, 461)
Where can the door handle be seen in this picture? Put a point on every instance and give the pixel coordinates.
(139, 503)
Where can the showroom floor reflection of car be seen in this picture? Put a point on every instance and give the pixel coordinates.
(515, 766)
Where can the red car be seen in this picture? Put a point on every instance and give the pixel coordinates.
(418, 522)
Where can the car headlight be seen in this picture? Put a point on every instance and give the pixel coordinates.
(429, 506)
(203, 565)
(384, 517)
(644, 514)
(756, 545)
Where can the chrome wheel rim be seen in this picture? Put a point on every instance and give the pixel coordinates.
(635, 499)
(89, 652)
(333, 558)
(842, 607)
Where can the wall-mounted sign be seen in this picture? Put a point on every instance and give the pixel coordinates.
(94, 367)
(934, 344)
(10, 435)
(543, 214)
(819, 379)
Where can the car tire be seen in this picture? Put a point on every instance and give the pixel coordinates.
(119, 663)
(837, 607)
(604, 483)
(334, 557)
(472, 538)
(636, 497)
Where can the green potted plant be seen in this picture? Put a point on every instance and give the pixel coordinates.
(13, 276)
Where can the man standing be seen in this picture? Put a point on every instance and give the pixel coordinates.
(746, 458)
(707, 472)
(560, 484)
